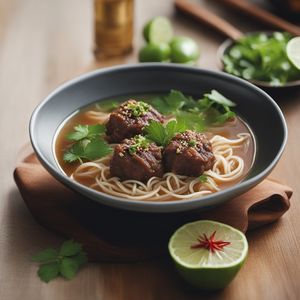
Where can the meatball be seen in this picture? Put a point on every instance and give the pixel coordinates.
(189, 153)
(138, 159)
(129, 119)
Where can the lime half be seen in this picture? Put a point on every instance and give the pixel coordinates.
(158, 30)
(208, 254)
(293, 51)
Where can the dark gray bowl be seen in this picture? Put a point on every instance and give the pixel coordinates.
(254, 106)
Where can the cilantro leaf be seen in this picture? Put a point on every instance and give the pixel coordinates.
(85, 131)
(155, 132)
(161, 134)
(171, 103)
(81, 132)
(74, 153)
(192, 121)
(96, 149)
(222, 118)
(219, 98)
(70, 248)
(175, 100)
(47, 272)
(64, 262)
(68, 267)
(91, 147)
(45, 255)
(161, 106)
(81, 258)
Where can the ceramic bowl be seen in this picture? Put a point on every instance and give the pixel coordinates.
(256, 107)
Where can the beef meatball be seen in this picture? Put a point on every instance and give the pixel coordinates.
(138, 159)
(129, 119)
(189, 153)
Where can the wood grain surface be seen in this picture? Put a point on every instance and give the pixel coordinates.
(44, 43)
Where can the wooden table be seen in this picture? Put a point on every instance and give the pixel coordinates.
(42, 44)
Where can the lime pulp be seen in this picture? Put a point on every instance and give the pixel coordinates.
(293, 51)
(201, 267)
(158, 30)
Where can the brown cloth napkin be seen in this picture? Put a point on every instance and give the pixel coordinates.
(110, 234)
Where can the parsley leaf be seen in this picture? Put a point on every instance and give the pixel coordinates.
(65, 262)
(162, 134)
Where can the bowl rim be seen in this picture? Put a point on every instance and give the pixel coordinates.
(152, 206)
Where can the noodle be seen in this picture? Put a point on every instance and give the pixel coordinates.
(228, 167)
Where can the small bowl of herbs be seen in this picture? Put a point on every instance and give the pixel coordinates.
(267, 59)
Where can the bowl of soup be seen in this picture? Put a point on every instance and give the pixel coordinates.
(158, 137)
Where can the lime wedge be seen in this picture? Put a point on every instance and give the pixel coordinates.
(293, 51)
(208, 254)
(158, 30)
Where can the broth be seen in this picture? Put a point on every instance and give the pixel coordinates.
(228, 130)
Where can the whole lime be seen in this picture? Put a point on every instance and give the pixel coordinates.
(184, 50)
(155, 53)
(208, 254)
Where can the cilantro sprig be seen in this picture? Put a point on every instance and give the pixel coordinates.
(64, 262)
(88, 143)
(261, 57)
(212, 109)
(162, 134)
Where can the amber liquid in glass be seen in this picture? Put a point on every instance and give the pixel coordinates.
(113, 27)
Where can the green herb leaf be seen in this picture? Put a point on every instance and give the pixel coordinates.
(219, 98)
(192, 120)
(221, 119)
(75, 152)
(155, 132)
(81, 258)
(96, 149)
(161, 134)
(171, 103)
(65, 262)
(81, 132)
(86, 132)
(70, 248)
(45, 255)
(92, 147)
(202, 178)
(47, 272)
(68, 267)
(175, 100)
